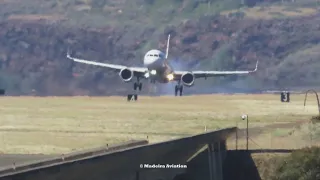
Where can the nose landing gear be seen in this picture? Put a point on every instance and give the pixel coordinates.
(137, 85)
(178, 88)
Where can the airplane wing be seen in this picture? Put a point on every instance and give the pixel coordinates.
(205, 74)
(137, 71)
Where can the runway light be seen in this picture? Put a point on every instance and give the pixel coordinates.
(153, 72)
(170, 77)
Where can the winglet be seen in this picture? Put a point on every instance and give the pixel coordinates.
(68, 54)
(168, 43)
(256, 66)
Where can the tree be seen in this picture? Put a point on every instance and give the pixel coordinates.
(303, 164)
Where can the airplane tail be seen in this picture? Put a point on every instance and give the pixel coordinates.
(168, 43)
(257, 63)
(68, 53)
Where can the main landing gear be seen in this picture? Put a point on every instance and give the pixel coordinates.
(178, 88)
(137, 85)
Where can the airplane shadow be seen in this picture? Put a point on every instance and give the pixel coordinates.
(237, 165)
(240, 165)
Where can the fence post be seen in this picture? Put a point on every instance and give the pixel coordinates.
(305, 99)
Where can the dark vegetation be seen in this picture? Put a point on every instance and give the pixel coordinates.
(34, 41)
(303, 164)
(315, 119)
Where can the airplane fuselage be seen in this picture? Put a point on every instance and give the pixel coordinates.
(159, 70)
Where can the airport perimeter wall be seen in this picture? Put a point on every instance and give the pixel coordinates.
(37, 170)
(238, 164)
(123, 163)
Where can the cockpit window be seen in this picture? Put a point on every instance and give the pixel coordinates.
(155, 55)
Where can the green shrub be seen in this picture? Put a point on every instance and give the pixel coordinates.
(302, 164)
(315, 119)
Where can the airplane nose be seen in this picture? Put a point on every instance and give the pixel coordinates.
(148, 61)
(145, 62)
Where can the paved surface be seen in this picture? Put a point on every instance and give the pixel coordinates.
(8, 159)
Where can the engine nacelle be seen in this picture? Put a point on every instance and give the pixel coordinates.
(188, 79)
(126, 75)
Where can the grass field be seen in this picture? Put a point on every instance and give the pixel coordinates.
(274, 12)
(52, 125)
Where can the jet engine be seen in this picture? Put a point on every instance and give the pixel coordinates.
(188, 79)
(126, 74)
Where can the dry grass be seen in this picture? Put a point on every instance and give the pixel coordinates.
(267, 163)
(82, 8)
(62, 124)
(9, 1)
(274, 11)
(36, 17)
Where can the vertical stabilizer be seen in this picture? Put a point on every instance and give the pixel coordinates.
(168, 43)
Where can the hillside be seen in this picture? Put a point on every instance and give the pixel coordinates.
(33, 44)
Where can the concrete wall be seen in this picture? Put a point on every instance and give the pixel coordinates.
(208, 165)
(24, 169)
(123, 164)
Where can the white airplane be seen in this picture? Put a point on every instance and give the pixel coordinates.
(157, 69)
